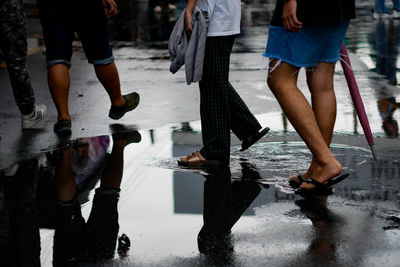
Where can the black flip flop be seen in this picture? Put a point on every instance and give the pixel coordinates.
(246, 144)
(321, 189)
(295, 184)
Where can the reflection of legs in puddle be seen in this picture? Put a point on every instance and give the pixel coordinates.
(102, 225)
(69, 221)
(283, 83)
(224, 204)
(19, 221)
(73, 240)
(387, 106)
(325, 223)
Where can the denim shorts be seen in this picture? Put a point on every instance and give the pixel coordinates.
(61, 19)
(307, 47)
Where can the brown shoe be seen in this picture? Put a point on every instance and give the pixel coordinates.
(196, 160)
(251, 140)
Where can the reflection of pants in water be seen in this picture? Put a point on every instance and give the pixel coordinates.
(77, 241)
(19, 222)
(387, 41)
(224, 204)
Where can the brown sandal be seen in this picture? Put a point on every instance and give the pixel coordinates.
(196, 160)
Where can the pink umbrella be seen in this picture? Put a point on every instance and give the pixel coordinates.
(356, 97)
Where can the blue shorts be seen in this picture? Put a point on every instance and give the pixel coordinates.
(307, 47)
(61, 19)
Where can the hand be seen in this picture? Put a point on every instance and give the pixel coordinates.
(110, 8)
(289, 17)
(188, 23)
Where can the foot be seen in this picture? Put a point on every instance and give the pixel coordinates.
(196, 160)
(323, 174)
(131, 102)
(252, 139)
(63, 127)
(296, 181)
(127, 138)
(39, 113)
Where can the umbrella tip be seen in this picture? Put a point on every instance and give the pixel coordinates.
(373, 152)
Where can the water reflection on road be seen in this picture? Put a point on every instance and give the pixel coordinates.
(122, 200)
(244, 215)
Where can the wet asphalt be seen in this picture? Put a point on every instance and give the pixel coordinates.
(246, 215)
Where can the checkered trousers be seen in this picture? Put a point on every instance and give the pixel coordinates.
(221, 108)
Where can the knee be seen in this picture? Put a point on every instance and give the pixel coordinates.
(277, 84)
(272, 82)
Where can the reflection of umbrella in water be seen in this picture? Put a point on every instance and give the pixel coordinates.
(356, 97)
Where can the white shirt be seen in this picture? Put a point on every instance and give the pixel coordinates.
(225, 16)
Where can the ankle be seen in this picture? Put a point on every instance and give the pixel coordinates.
(120, 102)
(64, 117)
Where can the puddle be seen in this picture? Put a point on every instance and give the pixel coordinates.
(122, 200)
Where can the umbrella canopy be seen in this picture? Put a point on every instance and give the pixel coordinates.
(356, 97)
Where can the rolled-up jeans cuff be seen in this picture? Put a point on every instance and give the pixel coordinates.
(51, 63)
(104, 61)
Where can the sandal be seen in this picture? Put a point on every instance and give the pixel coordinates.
(196, 160)
(296, 184)
(321, 188)
(254, 139)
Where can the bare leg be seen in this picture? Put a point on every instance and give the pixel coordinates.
(112, 174)
(65, 180)
(109, 78)
(282, 82)
(58, 80)
(320, 84)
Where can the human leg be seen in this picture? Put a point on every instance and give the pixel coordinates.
(320, 84)
(13, 45)
(214, 99)
(109, 78)
(59, 82)
(214, 105)
(58, 36)
(243, 122)
(282, 82)
(93, 29)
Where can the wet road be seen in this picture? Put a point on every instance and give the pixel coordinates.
(244, 216)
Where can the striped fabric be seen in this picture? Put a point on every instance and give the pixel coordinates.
(221, 108)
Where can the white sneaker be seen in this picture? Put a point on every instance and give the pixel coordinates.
(38, 114)
(396, 14)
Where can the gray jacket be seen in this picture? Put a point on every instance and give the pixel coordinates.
(189, 51)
